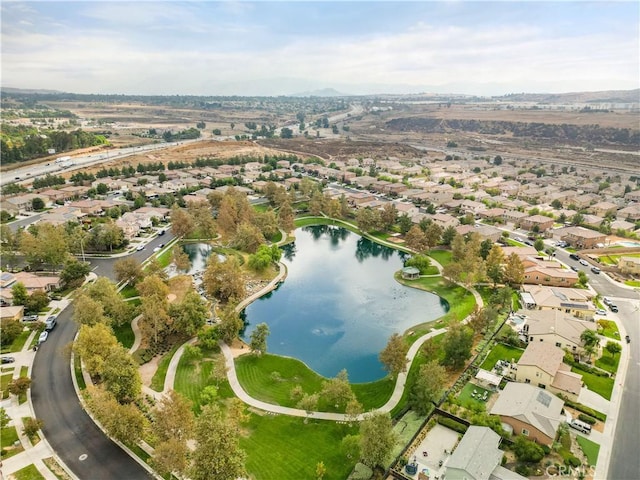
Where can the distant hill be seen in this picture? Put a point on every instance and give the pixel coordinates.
(324, 92)
(27, 90)
(607, 96)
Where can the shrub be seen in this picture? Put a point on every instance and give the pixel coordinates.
(523, 470)
(573, 461)
(584, 409)
(452, 424)
(586, 418)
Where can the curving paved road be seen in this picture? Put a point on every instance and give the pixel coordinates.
(67, 427)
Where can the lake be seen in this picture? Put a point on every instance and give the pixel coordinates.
(340, 304)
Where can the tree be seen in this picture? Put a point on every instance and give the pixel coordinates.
(31, 426)
(123, 422)
(448, 235)
(557, 204)
(458, 249)
(190, 315)
(94, 344)
(4, 418)
(337, 391)
(493, 265)
(9, 331)
(19, 293)
(223, 280)
(182, 223)
(286, 132)
(513, 272)
(74, 272)
(527, 450)
(433, 234)
(428, 387)
(230, 324)
(351, 446)
(452, 272)
(457, 345)
(590, 341)
(404, 223)
(538, 244)
(216, 434)
(497, 160)
(259, 336)
(121, 375)
(180, 258)
(286, 217)
(247, 238)
(88, 311)
(416, 239)
(170, 456)
(173, 418)
(613, 348)
(583, 279)
(19, 385)
(421, 262)
(376, 439)
(389, 215)
(394, 355)
(128, 270)
(368, 219)
(37, 301)
(308, 403)
(45, 244)
(37, 204)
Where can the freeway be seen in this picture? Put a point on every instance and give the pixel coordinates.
(72, 434)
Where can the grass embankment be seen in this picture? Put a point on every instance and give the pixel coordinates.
(603, 386)
(501, 352)
(30, 472)
(288, 448)
(608, 362)
(443, 257)
(608, 328)
(590, 449)
(461, 302)
(157, 382)
(124, 334)
(257, 377)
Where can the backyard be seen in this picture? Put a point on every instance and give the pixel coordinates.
(501, 352)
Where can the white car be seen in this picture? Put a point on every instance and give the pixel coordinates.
(582, 261)
(600, 311)
(140, 247)
(43, 337)
(157, 249)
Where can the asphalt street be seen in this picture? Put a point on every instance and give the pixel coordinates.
(73, 435)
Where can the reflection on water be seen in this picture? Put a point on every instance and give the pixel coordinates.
(340, 304)
(198, 255)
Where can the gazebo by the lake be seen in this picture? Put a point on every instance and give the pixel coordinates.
(410, 273)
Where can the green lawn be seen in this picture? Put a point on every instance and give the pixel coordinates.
(4, 383)
(255, 376)
(30, 472)
(461, 302)
(466, 398)
(285, 447)
(124, 334)
(129, 291)
(443, 257)
(431, 270)
(608, 328)
(77, 371)
(193, 377)
(164, 257)
(608, 362)
(18, 343)
(603, 386)
(501, 352)
(157, 382)
(632, 283)
(8, 436)
(590, 449)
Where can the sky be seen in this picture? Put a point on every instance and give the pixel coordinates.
(288, 47)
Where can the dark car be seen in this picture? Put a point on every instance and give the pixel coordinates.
(613, 308)
(11, 359)
(628, 339)
(574, 256)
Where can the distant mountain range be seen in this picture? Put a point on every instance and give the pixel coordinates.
(606, 96)
(323, 92)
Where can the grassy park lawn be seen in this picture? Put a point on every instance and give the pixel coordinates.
(632, 283)
(124, 334)
(608, 362)
(608, 328)
(603, 386)
(443, 257)
(590, 449)
(501, 352)
(129, 291)
(256, 375)
(164, 257)
(30, 472)
(193, 377)
(157, 382)
(285, 447)
(461, 302)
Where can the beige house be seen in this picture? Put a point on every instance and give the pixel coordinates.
(34, 282)
(580, 237)
(571, 301)
(538, 223)
(629, 265)
(11, 313)
(555, 328)
(541, 365)
(555, 277)
(529, 411)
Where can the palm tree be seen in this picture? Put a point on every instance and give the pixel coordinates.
(590, 342)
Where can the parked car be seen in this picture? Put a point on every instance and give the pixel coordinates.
(574, 268)
(606, 301)
(161, 232)
(574, 256)
(50, 323)
(595, 270)
(600, 311)
(157, 249)
(582, 261)
(627, 338)
(613, 307)
(43, 337)
(140, 247)
(8, 359)
(30, 318)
